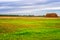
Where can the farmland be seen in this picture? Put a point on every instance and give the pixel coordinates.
(29, 28)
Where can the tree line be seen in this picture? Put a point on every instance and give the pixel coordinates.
(23, 15)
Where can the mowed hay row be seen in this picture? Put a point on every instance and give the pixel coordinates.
(6, 27)
(29, 18)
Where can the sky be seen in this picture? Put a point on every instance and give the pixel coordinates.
(29, 7)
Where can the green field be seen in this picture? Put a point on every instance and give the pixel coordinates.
(29, 28)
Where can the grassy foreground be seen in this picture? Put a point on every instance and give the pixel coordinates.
(29, 28)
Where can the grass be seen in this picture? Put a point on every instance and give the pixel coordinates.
(29, 28)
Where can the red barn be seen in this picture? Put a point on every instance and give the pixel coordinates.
(51, 15)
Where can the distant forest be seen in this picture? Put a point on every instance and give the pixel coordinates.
(23, 15)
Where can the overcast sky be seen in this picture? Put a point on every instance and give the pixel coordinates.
(29, 7)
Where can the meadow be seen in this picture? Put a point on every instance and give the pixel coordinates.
(29, 28)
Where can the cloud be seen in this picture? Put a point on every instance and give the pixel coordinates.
(52, 8)
(8, 0)
(33, 1)
(28, 6)
(20, 2)
(45, 6)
